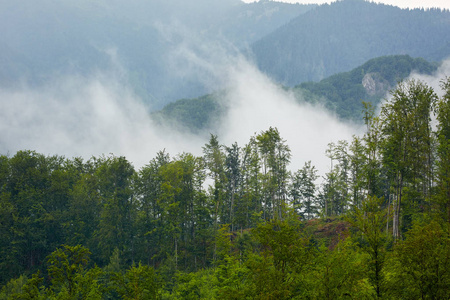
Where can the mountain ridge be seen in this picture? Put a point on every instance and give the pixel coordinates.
(340, 93)
(333, 38)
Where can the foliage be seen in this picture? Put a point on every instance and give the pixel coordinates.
(235, 223)
(341, 93)
(420, 264)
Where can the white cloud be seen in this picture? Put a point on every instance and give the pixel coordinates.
(257, 104)
(90, 116)
(86, 117)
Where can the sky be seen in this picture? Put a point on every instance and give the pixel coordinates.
(399, 3)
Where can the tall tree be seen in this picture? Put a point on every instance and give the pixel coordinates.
(371, 220)
(237, 208)
(275, 155)
(303, 191)
(149, 209)
(115, 180)
(406, 126)
(443, 151)
(215, 162)
(336, 185)
(251, 185)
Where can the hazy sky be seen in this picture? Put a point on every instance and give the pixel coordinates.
(400, 3)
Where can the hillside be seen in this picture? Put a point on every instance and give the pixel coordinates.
(341, 93)
(45, 39)
(339, 37)
(193, 114)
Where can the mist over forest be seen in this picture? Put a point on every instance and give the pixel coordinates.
(181, 142)
(79, 79)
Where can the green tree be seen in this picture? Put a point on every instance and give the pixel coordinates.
(237, 209)
(303, 191)
(420, 268)
(148, 188)
(138, 282)
(336, 185)
(215, 162)
(67, 267)
(32, 289)
(285, 255)
(115, 181)
(406, 127)
(275, 156)
(36, 219)
(251, 183)
(338, 273)
(370, 220)
(443, 152)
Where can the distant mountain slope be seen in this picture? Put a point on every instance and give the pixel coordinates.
(193, 114)
(341, 93)
(41, 39)
(338, 37)
(245, 24)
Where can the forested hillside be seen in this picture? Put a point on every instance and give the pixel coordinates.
(343, 35)
(141, 40)
(342, 93)
(236, 223)
(195, 114)
(169, 50)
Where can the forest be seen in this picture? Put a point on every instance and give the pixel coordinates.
(340, 93)
(237, 222)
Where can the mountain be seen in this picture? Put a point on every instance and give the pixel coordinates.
(193, 114)
(43, 39)
(341, 93)
(340, 36)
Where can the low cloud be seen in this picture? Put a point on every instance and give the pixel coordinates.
(90, 116)
(434, 80)
(99, 114)
(257, 103)
(78, 116)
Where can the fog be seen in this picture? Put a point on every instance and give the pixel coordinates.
(78, 116)
(258, 103)
(99, 114)
(435, 80)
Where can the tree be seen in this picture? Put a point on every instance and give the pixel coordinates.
(185, 211)
(370, 220)
(275, 156)
(421, 263)
(443, 152)
(276, 273)
(336, 185)
(115, 180)
(215, 162)
(67, 267)
(150, 210)
(303, 191)
(338, 273)
(138, 282)
(251, 185)
(36, 219)
(406, 127)
(372, 142)
(237, 208)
